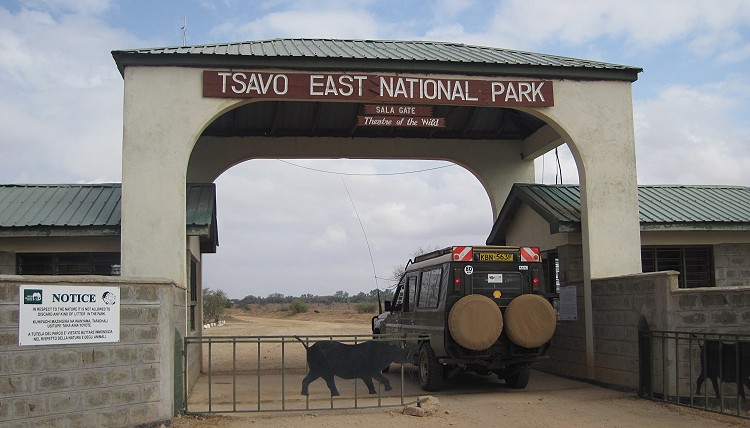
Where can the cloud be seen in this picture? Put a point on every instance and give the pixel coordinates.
(303, 19)
(294, 227)
(60, 95)
(690, 135)
(636, 26)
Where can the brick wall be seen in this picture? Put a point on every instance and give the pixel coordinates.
(618, 305)
(732, 265)
(129, 383)
(7, 263)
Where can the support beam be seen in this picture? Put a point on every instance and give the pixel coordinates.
(540, 142)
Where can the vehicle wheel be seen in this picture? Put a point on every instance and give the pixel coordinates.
(530, 321)
(520, 378)
(475, 322)
(430, 370)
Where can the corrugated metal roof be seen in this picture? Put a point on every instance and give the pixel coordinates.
(201, 205)
(370, 50)
(86, 206)
(62, 205)
(661, 207)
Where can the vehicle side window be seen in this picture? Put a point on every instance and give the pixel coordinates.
(399, 297)
(429, 290)
(411, 293)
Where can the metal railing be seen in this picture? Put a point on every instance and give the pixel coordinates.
(257, 373)
(675, 364)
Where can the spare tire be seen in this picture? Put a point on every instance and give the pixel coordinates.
(475, 322)
(530, 320)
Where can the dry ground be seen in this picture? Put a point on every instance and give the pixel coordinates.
(470, 400)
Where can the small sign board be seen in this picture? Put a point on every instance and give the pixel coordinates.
(398, 110)
(568, 304)
(402, 121)
(61, 314)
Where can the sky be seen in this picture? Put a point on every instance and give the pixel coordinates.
(284, 228)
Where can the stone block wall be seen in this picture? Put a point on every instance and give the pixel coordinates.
(732, 265)
(128, 383)
(618, 306)
(7, 263)
(618, 303)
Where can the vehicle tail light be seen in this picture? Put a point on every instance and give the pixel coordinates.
(457, 280)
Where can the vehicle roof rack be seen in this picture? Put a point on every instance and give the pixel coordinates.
(432, 254)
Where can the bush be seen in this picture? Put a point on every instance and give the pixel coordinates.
(298, 306)
(366, 307)
(214, 304)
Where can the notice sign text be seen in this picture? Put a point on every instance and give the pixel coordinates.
(56, 315)
(380, 88)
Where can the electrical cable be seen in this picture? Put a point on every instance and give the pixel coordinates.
(364, 174)
(372, 260)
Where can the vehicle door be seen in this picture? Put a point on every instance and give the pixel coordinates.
(428, 316)
(401, 317)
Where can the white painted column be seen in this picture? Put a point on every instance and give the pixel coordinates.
(164, 114)
(596, 119)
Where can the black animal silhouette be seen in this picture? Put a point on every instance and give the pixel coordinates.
(365, 361)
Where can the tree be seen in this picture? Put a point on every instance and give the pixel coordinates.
(275, 298)
(214, 304)
(340, 296)
(400, 269)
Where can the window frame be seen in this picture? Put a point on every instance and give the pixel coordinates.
(688, 265)
(89, 263)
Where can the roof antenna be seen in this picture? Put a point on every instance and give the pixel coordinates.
(184, 29)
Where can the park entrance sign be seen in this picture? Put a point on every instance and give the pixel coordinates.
(386, 88)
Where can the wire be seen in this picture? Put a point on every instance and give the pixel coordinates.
(363, 174)
(559, 168)
(372, 260)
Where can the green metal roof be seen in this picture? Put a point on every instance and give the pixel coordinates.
(663, 207)
(390, 55)
(91, 209)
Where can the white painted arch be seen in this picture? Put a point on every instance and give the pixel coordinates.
(165, 114)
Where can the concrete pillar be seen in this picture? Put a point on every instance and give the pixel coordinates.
(596, 120)
(163, 116)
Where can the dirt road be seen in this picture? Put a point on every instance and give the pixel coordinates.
(469, 400)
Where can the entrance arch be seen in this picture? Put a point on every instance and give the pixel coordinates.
(186, 112)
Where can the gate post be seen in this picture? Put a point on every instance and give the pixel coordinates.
(644, 358)
(180, 370)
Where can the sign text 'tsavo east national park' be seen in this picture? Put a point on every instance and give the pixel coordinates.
(375, 88)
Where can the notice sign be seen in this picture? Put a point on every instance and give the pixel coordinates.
(568, 304)
(57, 315)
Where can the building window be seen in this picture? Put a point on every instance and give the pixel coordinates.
(193, 293)
(551, 268)
(107, 264)
(695, 264)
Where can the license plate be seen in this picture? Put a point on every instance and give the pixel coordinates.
(495, 257)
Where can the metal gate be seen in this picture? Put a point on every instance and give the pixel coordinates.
(265, 373)
(674, 365)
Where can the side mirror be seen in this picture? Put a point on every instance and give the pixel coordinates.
(388, 307)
